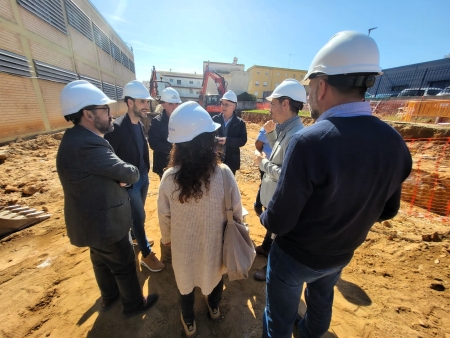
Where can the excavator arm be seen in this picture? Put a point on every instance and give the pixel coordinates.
(221, 86)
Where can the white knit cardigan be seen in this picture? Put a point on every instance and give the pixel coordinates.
(195, 230)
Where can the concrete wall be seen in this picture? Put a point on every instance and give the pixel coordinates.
(30, 105)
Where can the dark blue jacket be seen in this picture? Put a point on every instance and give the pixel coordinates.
(157, 139)
(236, 138)
(123, 140)
(339, 177)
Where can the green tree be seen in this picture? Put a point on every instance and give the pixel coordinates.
(246, 97)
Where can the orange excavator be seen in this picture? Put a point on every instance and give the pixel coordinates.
(211, 102)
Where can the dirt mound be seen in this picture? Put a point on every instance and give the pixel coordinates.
(397, 285)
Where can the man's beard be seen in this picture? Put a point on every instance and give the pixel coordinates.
(138, 113)
(104, 127)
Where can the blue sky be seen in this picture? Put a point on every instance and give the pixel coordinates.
(180, 35)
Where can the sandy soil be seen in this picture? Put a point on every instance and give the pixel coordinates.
(47, 286)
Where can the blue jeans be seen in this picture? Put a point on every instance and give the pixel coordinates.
(138, 194)
(285, 279)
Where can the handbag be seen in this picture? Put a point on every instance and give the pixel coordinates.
(238, 251)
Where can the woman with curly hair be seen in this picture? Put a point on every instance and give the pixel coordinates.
(191, 210)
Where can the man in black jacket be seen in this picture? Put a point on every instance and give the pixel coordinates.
(159, 130)
(339, 177)
(96, 205)
(130, 145)
(232, 133)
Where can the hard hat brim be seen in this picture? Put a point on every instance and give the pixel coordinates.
(139, 98)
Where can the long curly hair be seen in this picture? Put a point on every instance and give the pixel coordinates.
(197, 160)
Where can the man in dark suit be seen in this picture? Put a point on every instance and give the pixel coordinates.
(129, 143)
(159, 130)
(96, 204)
(232, 134)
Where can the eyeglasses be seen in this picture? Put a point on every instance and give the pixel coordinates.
(100, 108)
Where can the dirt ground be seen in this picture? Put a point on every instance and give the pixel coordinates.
(397, 285)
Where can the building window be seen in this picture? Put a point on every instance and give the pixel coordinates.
(267, 73)
(257, 72)
(191, 82)
(285, 75)
(197, 92)
(49, 11)
(78, 20)
(191, 91)
(255, 93)
(293, 75)
(265, 84)
(198, 82)
(278, 74)
(171, 80)
(14, 63)
(256, 83)
(178, 82)
(101, 39)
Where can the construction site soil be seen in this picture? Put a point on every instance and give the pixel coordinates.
(397, 284)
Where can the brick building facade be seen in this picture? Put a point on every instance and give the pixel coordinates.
(45, 44)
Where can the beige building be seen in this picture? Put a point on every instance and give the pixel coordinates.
(45, 44)
(263, 79)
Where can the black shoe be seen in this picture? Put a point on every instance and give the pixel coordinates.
(260, 275)
(258, 209)
(107, 304)
(146, 304)
(261, 251)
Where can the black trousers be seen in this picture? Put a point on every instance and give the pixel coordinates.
(187, 302)
(115, 272)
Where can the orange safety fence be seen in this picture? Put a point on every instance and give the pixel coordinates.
(427, 190)
(423, 110)
(435, 108)
(263, 105)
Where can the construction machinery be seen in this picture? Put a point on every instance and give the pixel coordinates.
(155, 107)
(211, 102)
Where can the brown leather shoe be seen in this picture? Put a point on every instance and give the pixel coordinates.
(146, 304)
(260, 251)
(260, 275)
(107, 304)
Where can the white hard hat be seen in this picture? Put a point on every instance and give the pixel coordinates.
(229, 96)
(290, 88)
(347, 52)
(136, 90)
(79, 94)
(170, 95)
(189, 120)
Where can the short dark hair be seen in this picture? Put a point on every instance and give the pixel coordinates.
(75, 117)
(294, 106)
(127, 98)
